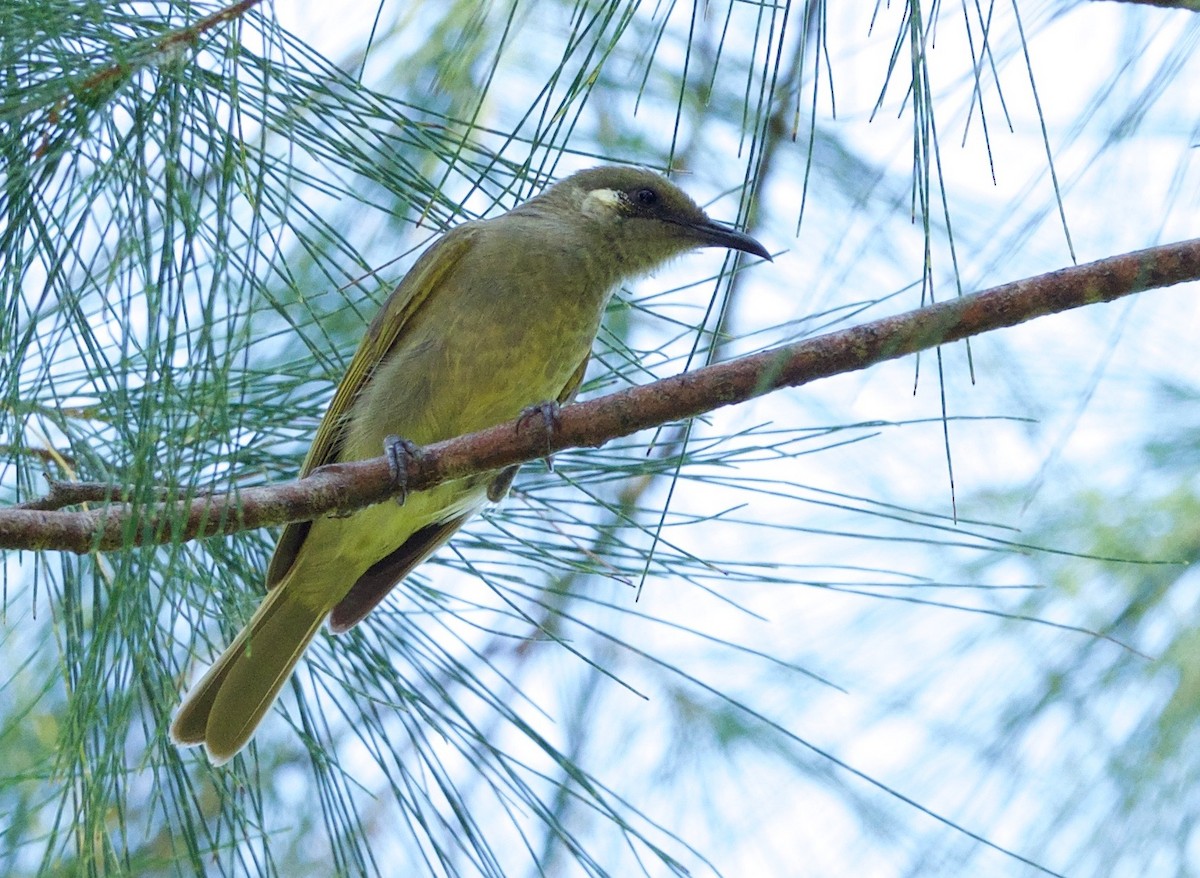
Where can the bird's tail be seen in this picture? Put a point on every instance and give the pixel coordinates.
(224, 708)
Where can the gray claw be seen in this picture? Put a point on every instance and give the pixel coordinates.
(548, 411)
(399, 452)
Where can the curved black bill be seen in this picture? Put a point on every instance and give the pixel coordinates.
(711, 234)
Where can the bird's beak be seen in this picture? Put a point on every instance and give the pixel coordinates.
(713, 234)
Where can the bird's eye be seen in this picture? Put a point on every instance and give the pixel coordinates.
(646, 197)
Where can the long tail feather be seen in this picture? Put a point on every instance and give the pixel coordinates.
(224, 708)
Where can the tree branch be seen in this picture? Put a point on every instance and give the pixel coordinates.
(1192, 5)
(342, 488)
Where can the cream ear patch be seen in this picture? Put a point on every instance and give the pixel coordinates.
(600, 203)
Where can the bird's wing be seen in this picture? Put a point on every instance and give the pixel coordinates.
(374, 585)
(383, 334)
(572, 388)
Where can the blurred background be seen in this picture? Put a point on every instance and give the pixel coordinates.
(933, 618)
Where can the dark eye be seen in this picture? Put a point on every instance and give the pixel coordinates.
(646, 197)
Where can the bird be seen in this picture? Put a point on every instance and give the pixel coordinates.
(496, 317)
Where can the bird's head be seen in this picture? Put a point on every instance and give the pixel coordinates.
(640, 217)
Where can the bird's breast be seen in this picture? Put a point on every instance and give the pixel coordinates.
(486, 344)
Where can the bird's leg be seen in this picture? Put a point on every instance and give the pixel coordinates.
(497, 488)
(399, 452)
(548, 411)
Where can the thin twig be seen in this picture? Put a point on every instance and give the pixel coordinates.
(104, 82)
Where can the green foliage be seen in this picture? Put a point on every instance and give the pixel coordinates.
(198, 222)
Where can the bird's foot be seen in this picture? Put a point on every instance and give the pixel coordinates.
(548, 412)
(399, 453)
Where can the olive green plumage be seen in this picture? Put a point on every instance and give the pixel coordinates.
(496, 316)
